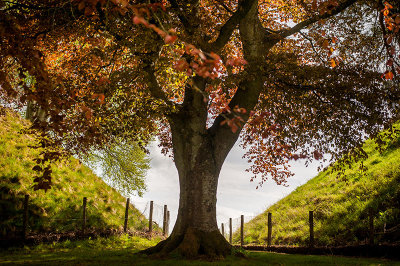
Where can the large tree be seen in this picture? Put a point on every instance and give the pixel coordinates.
(293, 79)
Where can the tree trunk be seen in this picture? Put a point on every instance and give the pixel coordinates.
(195, 233)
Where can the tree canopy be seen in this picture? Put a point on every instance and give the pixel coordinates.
(291, 79)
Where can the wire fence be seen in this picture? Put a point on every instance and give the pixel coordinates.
(291, 227)
(319, 227)
(31, 219)
(158, 214)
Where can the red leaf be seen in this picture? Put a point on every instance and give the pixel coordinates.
(140, 20)
(103, 80)
(136, 20)
(234, 127)
(170, 38)
(99, 96)
(317, 155)
(181, 65)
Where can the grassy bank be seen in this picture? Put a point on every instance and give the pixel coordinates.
(58, 209)
(340, 203)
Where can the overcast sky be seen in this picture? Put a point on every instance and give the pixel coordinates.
(236, 194)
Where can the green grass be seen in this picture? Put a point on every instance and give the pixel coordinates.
(340, 204)
(122, 251)
(58, 209)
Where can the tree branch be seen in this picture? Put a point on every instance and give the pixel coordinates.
(226, 30)
(221, 3)
(308, 22)
(312, 46)
(252, 36)
(155, 89)
(309, 88)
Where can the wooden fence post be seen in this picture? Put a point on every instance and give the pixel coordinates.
(230, 231)
(222, 230)
(165, 220)
(25, 217)
(371, 226)
(167, 231)
(269, 229)
(241, 230)
(151, 217)
(126, 215)
(84, 215)
(311, 222)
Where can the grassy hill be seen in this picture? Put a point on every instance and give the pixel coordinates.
(340, 204)
(60, 208)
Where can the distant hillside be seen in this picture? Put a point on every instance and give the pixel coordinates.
(340, 204)
(58, 209)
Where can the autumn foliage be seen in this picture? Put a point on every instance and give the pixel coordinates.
(108, 70)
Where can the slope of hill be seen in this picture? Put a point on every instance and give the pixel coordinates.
(60, 208)
(340, 203)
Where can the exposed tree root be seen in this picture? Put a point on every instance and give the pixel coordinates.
(191, 245)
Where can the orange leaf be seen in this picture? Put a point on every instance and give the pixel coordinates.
(388, 5)
(333, 62)
(386, 12)
(389, 75)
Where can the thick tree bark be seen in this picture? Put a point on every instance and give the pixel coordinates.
(196, 232)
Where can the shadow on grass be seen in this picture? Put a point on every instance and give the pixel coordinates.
(87, 256)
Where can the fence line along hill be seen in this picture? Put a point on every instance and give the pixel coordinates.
(60, 208)
(342, 205)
